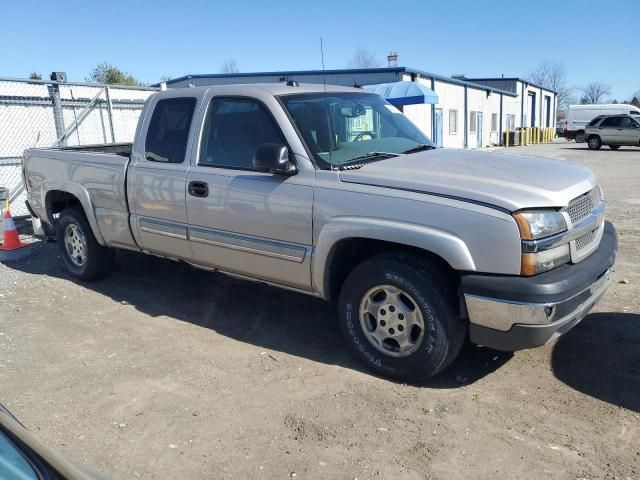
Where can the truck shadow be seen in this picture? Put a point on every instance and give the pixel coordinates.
(268, 317)
(601, 358)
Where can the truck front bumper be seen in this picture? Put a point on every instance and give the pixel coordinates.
(512, 313)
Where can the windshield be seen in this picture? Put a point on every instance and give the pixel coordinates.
(341, 127)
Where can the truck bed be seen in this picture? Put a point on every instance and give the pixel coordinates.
(95, 175)
(123, 149)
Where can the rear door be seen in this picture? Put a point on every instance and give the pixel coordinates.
(242, 221)
(157, 180)
(610, 131)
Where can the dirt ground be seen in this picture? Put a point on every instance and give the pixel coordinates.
(162, 371)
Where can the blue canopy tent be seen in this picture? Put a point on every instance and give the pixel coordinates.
(403, 93)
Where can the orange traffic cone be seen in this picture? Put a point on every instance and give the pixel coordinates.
(11, 238)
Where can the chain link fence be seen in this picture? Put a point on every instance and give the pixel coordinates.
(50, 114)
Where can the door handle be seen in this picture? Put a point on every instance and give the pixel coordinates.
(198, 189)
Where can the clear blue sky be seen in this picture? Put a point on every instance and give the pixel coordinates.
(596, 40)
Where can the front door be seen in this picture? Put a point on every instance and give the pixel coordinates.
(631, 131)
(242, 221)
(438, 128)
(157, 182)
(479, 130)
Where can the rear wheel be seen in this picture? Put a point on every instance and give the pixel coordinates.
(594, 142)
(614, 147)
(579, 137)
(399, 317)
(83, 256)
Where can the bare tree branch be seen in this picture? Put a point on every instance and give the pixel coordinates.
(594, 92)
(230, 66)
(363, 58)
(553, 75)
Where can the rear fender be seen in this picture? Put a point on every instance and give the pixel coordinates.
(81, 194)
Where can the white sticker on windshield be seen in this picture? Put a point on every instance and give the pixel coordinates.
(392, 109)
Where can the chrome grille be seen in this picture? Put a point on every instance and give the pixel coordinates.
(586, 240)
(580, 207)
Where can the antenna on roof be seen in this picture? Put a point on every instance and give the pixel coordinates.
(324, 83)
(324, 77)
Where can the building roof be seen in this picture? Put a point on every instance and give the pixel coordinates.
(511, 79)
(400, 70)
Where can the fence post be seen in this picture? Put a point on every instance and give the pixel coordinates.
(58, 117)
(110, 113)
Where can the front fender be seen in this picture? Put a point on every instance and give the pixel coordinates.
(81, 194)
(447, 246)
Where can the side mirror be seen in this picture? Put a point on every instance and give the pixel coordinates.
(273, 158)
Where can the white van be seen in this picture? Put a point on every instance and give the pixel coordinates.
(578, 116)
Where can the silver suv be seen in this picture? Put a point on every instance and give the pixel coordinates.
(613, 130)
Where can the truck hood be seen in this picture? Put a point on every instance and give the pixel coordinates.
(507, 181)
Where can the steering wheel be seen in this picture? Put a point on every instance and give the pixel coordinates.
(362, 134)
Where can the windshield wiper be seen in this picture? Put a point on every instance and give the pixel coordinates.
(420, 148)
(370, 156)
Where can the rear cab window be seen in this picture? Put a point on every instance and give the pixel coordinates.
(168, 131)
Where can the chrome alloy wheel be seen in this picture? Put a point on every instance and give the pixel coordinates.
(391, 320)
(76, 245)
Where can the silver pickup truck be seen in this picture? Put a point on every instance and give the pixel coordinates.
(333, 192)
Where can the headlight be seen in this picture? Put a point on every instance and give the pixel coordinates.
(536, 224)
(534, 263)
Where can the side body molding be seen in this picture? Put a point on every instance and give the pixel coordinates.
(449, 247)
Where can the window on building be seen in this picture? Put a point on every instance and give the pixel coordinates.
(453, 122)
(168, 131)
(233, 129)
(511, 122)
(473, 122)
(494, 122)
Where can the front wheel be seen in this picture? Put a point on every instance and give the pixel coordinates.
(594, 142)
(400, 318)
(83, 256)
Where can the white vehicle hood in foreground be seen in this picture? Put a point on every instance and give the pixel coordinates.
(512, 182)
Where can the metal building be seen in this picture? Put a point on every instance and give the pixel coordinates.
(467, 113)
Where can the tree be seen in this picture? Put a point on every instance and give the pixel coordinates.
(230, 66)
(110, 74)
(35, 76)
(635, 101)
(553, 75)
(363, 58)
(594, 92)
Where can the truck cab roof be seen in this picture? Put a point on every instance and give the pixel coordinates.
(274, 89)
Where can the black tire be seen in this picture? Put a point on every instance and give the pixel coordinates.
(579, 137)
(429, 288)
(614, 147)
(594, 142)
(98, 260)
